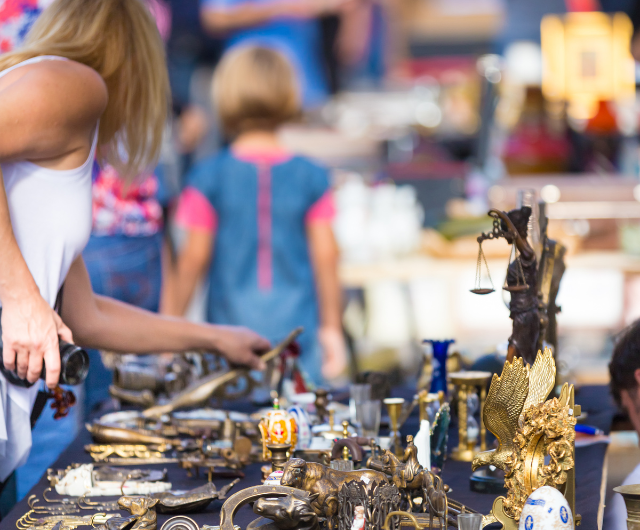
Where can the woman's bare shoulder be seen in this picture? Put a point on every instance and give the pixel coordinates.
(48, 109)
(67, 85)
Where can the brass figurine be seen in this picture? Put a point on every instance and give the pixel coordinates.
(288, 513)
(239, 499)
(324, 481)
(517, 389)
(528, 429)
(142, 507)
(414, 481)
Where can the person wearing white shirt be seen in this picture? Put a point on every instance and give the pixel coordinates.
(625, 387)
(75, 93)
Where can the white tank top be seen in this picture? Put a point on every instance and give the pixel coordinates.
(51, 218)
(50, 212)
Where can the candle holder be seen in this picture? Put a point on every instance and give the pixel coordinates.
(631, 496)
(394, 408)
(465, 383)
(279, 455)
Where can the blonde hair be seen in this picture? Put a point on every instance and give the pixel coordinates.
(120, 41)
(255, 88)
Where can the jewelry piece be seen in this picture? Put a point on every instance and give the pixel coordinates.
(60, 522)
(87, 504)
(100, 453)
(55, 509)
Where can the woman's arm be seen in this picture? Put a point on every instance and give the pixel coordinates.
(103, 323)
(324, 257)
(46, 114)
(191, 265)
(30, 328)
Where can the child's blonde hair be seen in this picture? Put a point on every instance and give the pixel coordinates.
(255, 88)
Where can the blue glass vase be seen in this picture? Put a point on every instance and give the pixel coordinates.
(440, 353)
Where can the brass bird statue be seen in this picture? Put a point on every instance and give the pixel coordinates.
(517, 388)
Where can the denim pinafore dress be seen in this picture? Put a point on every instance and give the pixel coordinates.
(261, 275)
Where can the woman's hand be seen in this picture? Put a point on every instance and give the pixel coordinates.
(334, 361)
(30, 333)
(239, 346)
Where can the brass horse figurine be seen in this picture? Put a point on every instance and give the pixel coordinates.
(415, 481)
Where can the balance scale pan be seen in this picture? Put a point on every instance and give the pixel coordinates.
(481, 291)
(516, 288)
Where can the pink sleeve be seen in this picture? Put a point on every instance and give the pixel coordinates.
(195, 212)
(323, 210)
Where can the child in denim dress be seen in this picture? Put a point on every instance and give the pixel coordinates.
(258, 219)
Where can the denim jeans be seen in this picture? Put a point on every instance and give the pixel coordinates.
(128, 269)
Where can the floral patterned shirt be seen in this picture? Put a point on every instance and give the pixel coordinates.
(16, 18)
(118, 209)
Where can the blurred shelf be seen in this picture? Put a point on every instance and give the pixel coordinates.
(412, 267)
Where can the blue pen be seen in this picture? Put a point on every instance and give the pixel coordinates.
(588, 429)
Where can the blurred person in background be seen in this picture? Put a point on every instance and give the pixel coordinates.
(258, 219)
(74, 90)
(16, 18)
(289, 26)
(125, 253)
(625, 387)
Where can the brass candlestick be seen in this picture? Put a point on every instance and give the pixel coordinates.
(279, 455)
(631, 496)
(394, 408)
(466, 382)
(331, 433)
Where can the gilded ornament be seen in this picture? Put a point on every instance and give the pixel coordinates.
(528, 429)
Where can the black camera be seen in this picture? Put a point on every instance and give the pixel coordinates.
(74, 366)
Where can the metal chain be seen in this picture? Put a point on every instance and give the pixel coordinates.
(481, 258)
